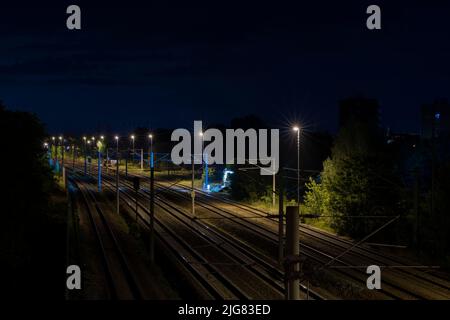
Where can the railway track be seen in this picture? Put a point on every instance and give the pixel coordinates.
(262, 237)
(398, 283)
(233, 272)
(257, 235)
(121, 281)
(362, 250)
(418, 284)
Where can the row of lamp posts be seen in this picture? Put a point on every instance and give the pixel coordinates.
(292, 265)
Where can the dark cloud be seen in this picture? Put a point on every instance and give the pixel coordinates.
(220, 59)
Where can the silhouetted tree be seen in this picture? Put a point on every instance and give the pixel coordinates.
(25, 207)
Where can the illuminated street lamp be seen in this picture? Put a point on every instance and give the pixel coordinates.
(193, 177)
(150, 151)
(150, 136)
(104, 145)
(204, 164)
(61, 139)
(90, 153)
(132, 150)
(132, 139)
(201, 136)
(99, 164)
(152, 200)
(55, 144)
(297, 129)
(48, 149)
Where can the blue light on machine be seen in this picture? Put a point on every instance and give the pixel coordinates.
(226, 174)
(437, 116)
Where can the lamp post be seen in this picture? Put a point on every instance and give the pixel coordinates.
(73, 157)
(204, 165)
(46, 148)
(91, 149)
(193, 177)
(85, 155)
(150, 153)
(132, 150)
(61, 140)
(152, 200)
(56, 154)
(99, 164)
(105, 146)
(297, 129)
(52, 155)
(90, 163)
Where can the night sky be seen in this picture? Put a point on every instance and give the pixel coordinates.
(165, 63)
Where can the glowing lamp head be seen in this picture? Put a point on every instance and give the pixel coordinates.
(116, 137)
(150, 136)
(102, 137)
(53, 138)
(296, 128)
(84, 138)
(132, 137)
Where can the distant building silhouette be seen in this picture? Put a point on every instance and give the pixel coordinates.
(435, 119)
(358, 109)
